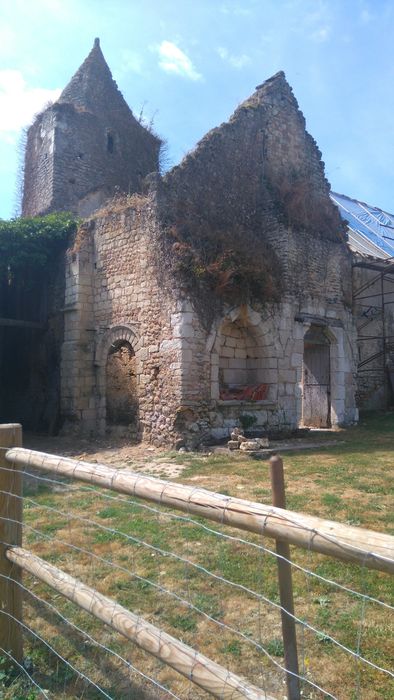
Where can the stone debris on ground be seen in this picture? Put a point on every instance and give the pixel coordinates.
(240, 442)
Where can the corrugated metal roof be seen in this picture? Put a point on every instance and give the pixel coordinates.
(370, 230)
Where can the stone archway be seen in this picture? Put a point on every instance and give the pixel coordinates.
(117, 367)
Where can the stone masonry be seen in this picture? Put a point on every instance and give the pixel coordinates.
(86, 146)
(200, 367)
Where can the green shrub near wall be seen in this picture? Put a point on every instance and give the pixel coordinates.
(28, 245)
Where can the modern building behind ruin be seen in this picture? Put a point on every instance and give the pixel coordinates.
(220, 292)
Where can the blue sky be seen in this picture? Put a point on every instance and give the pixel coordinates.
(188, 63)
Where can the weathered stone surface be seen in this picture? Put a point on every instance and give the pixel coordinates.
(250, 445)
(233, 445)
(200, 366)
(86, 146)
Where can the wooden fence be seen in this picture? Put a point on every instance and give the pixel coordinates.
(353, 544)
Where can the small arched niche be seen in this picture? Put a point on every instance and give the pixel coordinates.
(241, 362)
(121, 386)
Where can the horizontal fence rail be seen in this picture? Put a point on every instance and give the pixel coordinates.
(190, 663)
(353, 544)
(357, 545)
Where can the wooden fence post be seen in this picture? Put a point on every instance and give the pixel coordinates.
(285, 586)
(11, 508)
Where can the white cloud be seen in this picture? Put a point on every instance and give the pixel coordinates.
(237, 10)
(321, 35)
(19, 103)
(173, 60)
(235, 61)
(365, 16)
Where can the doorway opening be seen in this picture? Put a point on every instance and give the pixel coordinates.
(121, 387)
(316, 407)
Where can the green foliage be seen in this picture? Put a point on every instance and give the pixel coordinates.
(275, 647)
(247, 420)
(233, 647)
(28, 245)
(14, 685)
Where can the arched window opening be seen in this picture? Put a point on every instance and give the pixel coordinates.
(241, 374)
(121, 385)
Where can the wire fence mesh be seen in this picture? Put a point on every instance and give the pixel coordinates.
(207, 585)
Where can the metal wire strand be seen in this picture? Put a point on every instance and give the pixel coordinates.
(53, 650)
(210, 530)
(238, 586)
(223, 625)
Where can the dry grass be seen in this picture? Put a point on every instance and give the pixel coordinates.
(348, 482)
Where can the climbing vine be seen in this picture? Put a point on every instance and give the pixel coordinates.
(27, 246)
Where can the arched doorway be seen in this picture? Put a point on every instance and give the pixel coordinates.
(316, 406)
(121, 387)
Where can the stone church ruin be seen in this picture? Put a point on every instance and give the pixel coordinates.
(215, 295)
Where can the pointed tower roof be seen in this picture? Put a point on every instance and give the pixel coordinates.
(93, 87)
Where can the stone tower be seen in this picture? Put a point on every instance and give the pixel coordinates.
(86, 146)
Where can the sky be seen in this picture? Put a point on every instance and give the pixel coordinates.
(185, 65)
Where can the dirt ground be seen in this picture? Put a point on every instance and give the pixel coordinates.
(154, 460)
(117, 452)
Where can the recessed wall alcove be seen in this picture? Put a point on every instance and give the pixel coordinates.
(241, 363)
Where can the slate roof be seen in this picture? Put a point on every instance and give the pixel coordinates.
(370, 229)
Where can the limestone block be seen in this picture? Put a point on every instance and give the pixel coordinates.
(237, 364)
(227, 352)
(187, 331)
(214, 373)
(270, 376)
(284, 363)
(250, 445)
(288, 375)
(168, 345)
(215, 390)
(296, 359)
(230, 341)
(253, 317)
(266, 362)
(233, 445)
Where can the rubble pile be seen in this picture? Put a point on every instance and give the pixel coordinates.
(238, 441)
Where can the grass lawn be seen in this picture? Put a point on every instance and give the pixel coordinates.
(351, 482)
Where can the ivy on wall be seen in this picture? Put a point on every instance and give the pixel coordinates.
(28, 245)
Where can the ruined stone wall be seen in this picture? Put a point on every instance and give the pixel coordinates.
(253, 190)
(114, 293)
(76, 160)
(39, 165)
(260, 177)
